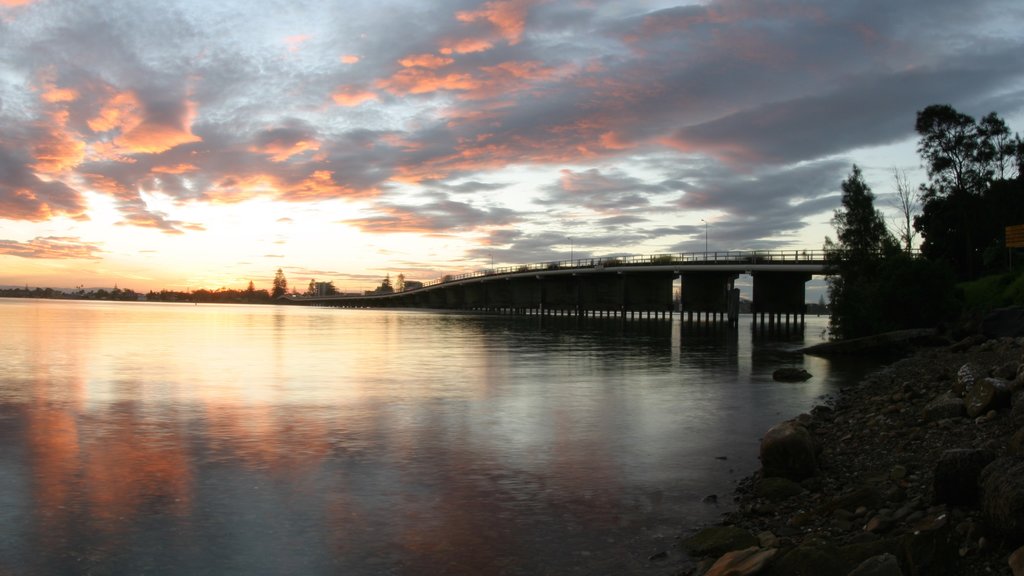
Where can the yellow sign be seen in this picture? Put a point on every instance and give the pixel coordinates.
(1015, 236)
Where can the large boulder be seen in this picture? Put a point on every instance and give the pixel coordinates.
(746, 562)
(789, 450)
(987, 394)
(790, 375)
(965, 378)
(956, 475)
(944, 406)
(1002, 497)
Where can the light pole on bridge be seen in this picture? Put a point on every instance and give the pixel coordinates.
(705, 235)
(570, 250)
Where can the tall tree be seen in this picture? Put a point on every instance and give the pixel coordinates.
(862, 243)
(951, 147)
(973, 191)
(280, 285)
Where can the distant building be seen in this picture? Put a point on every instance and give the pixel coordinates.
(324, 289)
(411, 285)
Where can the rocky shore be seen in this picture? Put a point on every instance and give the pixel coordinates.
(918, 470)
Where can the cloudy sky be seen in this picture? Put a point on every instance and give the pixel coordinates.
(186, 144)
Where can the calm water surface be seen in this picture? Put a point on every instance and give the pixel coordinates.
(143, 438)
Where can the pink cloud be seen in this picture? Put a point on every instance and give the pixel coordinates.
(466, 46)
(295, 42)
(135, 132)
(352, 96)
(52, 248)
(349, 59)
(425, 61)
(507, 16)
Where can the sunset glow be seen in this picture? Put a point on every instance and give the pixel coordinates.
(162, 145)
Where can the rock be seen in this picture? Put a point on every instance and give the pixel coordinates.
(878, 523)
(898, 472)
(956, 475)
(986, 394)
(746, 562)
(881, 565)
(788, 450)
(1017, 410)
(777, 488)
(809, 560)
(1006, 371)
(885, 344)
(1004, 322)
(943, 407)
(967, 343)
(1016, 446)
(767, 539)
(717, 540)
(858, 500)
(1002, 497)
(791, 375)
(1016, 562)
(930, 549)
(965, 378)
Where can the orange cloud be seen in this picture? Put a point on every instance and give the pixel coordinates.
(349, 59)
(423, 81)
(425, 61)
(120, 112)
(15, 3)
(125, 114)
(58, 149)
(352, 96)
(280, 151)
(54, 95)
(109, 186)
(177, 169)
(319, 185)
(466, 46)
(52, 248)
(507, 16)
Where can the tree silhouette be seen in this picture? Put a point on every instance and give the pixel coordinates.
(280, 285)
(975, 188)
(863, 241)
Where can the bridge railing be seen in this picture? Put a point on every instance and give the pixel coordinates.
(716, 257)
(731, 257)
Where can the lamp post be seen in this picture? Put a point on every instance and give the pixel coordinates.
(705, 236)
(570, 251)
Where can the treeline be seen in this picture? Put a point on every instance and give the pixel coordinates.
(975, 190)
(222, 296)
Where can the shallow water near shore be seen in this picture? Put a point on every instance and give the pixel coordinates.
(179, 439)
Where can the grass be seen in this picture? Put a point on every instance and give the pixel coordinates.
(993, 291)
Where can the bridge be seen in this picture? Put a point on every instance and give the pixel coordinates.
(625, 287)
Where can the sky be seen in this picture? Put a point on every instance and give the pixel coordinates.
(192, 144)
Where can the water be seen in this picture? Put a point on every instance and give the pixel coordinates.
(144, 438)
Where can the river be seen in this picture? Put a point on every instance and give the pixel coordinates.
(150, 438)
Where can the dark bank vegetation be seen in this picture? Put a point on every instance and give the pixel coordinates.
(974, 191)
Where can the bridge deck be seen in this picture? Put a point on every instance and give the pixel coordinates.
(803, 261)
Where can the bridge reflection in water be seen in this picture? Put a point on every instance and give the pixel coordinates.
(628, 288)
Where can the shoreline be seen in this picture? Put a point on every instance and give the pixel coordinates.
(873, 496)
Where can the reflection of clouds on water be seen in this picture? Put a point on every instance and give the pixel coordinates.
(223, 439)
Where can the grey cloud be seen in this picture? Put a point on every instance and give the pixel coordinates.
(866, 111)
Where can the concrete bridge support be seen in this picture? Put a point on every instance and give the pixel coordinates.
(711, 295)
(779, 301)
